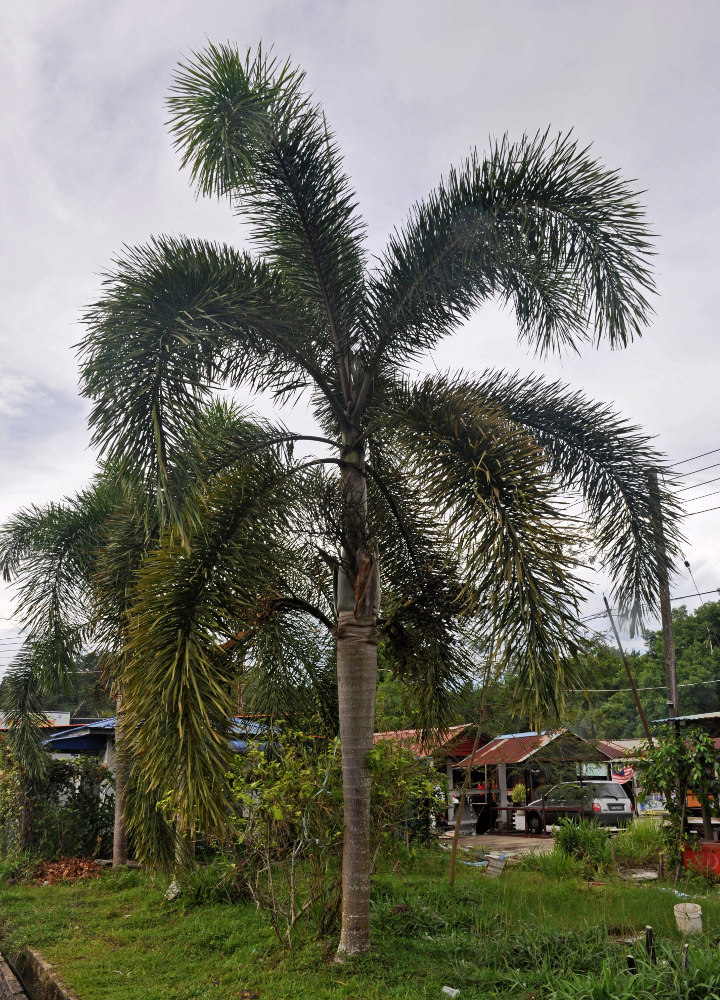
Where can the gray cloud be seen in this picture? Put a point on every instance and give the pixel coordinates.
(86, 166)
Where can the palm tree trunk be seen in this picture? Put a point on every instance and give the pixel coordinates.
(121, 778)
(357, 601)
(357, 679)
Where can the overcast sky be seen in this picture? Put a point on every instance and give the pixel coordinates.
(409, 87)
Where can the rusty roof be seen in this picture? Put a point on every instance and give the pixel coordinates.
(434, 741)
(507, 750)
(517, 749)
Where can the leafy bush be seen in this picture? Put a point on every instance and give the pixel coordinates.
(674, 764)
(586, 842)
(68, 811)
(290, 823)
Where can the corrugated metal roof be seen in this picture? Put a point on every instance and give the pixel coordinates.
(443, 739)
(614, 750)
(507, 750)
(690, 718)
(517, 749)
(96, 734)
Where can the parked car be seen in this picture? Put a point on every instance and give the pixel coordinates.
(604, 802)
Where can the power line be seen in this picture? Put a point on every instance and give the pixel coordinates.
(702, 511)
(696, 472)
(714, 493)
(701, 455)
(656, 687)
(696, 486)
(698, 593)
(680, 597)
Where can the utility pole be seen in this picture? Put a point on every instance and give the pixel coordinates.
(664, 593)
(636, 696)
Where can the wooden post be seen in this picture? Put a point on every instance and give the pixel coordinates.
(650, 944)
(466, 782)
(664, 594)
(627, 670)
(632, 965)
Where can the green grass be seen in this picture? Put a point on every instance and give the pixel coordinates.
(641, 843)
(524, 933)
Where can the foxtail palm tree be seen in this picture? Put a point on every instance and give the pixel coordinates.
(455, 481)
(76, 565)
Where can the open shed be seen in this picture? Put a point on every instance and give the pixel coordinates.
(534, 760)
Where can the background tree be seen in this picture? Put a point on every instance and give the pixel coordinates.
(454, 479)
(604, 713)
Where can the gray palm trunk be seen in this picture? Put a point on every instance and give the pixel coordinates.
(120, 837)
(357, 600)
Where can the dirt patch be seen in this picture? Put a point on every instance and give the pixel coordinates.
(66, 870)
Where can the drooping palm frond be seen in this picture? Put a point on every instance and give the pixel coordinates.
(246, 128)
(487, 480)
(422, 626)
(151, 827)
(198, 606)
(23, 714)
(593, 450)
(539, 223)
(290, 673)
(50, 552)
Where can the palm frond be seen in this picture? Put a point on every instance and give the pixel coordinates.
(539, 223)
(422, 623)
(290, 673)
(178, 319)
(152, 829)
(23, 714)
(246, 129)
(50, 552)
(195, 608)
(592, 450)
(486, 478)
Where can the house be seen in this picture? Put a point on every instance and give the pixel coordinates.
(98, 738)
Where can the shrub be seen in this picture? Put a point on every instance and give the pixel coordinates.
(585, 841)
(69, 811)
(290, 823)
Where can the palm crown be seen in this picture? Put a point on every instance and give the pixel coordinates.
(455, 481)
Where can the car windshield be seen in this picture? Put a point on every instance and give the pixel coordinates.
(607, 791)
(574, 793)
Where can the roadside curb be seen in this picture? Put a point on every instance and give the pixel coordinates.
(9, 985)
(40, 978)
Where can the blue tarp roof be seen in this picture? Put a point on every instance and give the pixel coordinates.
(94, 737)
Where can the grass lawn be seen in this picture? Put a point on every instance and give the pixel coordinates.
(521, 936)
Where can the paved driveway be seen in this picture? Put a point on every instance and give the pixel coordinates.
(501, 844)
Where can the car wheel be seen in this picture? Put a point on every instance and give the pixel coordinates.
(534, 823)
